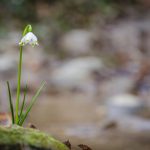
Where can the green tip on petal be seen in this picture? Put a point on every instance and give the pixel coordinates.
(27, 29)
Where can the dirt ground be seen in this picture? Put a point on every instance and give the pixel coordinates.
(75, 118)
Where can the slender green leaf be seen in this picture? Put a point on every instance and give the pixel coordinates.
(21, 118)
(23, 104)
(11, 103)
(34, 98)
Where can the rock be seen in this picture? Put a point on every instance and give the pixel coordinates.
(131, 38)
(76, 72)
(117, 84)
(8, 66)
(9, 42)
(124, 110)
(135, 123)
(77, 42)
(123, 105)
(19, 138)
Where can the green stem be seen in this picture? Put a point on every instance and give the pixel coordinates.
(18, 86)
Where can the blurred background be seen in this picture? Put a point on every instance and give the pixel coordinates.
(94, 56)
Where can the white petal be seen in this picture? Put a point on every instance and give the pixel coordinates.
(29, 38)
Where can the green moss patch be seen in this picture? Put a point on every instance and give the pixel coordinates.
(15, 135)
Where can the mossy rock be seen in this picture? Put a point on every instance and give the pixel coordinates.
(19, 138)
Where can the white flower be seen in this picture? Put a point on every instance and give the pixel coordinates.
(29, 38)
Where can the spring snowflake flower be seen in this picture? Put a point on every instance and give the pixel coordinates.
(29, 38)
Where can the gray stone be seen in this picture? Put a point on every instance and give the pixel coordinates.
(77, 42)
(76, 72)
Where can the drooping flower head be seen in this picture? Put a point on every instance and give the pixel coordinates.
(28, 37)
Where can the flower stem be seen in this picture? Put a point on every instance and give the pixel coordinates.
(18, 86)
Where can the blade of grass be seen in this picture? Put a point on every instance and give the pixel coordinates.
(34, 98)
(23, 104)
(11, 103)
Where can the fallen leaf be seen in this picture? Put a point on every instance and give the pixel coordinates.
(68, 144)
(84, 147)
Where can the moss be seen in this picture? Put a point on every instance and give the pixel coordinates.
(15, 135)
